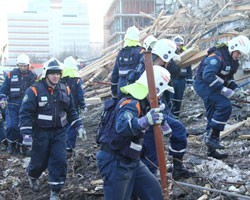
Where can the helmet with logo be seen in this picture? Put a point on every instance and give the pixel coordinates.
(241, 44)
(165, 49)
(23, 59)
(132, 33)
(149, 42)
(139, 89)
(70, 67)
(178, 40)
(51, 66)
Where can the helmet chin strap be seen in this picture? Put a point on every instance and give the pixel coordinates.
(50, 83)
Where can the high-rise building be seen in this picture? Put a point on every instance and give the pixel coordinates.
(49, 28)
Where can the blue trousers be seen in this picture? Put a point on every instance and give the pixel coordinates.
(70, 137)
(176, 97)
(49, 151)
(12, 121)
(122, 177)
(218, 107)
(177, 147)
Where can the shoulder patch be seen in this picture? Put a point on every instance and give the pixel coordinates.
(213, 61)
(25, 98)
(128, 115)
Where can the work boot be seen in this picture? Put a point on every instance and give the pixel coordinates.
(34, 184)
(25, 151)
(4, 145)
(11, 148)
(54, 195)
(212, 139)
(70, 153)
(213, 153)
(179, 171)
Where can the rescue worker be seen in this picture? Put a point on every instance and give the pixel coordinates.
(127, 59)
(215, 84)
(46, 108)
(72, 78)
(14, 86)
(162, 53)
(119, 158)
(180, 77)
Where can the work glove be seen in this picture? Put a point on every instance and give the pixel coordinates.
(3, 101)
(154, 116)
(239, 93)
(227, 92)
(82, 133)
(27, 140)
(166, 129)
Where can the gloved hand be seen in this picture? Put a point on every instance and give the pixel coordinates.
(3, 101)
(227, 92)
(82, 133)
(239, 93)
(166, 129)
(27, 140)
(154, 116)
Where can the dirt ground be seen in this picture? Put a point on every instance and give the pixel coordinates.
(84, 182)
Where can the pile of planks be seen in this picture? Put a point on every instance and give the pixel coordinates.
(218, 21)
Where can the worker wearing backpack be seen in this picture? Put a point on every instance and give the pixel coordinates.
(127, 59)
(119, 157)
(215, 84)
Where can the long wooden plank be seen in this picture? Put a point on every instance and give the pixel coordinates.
(194, 59)
(233, 128)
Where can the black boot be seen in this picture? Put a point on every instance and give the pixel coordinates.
(34, 184)
(213, 153)
(25, 151)
(11, 148)
(4, 145)
(179, 171)
(212, 139)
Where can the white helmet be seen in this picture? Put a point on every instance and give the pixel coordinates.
(23, 59)
(139, 89)
(70, 62)
(178, 40)
(51, 65)
(165, 49)
(240, 43)
(149, 42)
(132, 33)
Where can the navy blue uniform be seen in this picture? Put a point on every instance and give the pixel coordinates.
(179, 77)
(44, 113)
(127, 59)
(75, 85)
(217, 72)
(178, 141)
(119, 159)
(14, 87)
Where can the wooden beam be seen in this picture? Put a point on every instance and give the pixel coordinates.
(194, 59)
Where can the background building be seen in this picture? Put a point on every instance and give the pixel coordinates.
(49, 28)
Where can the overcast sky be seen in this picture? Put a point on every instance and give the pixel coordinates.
(97, 9)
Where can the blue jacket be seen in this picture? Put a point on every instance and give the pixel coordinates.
(180, 72)
(16, 83)
(75, 85)
(46, 107)
(127, 59)
(219, 69)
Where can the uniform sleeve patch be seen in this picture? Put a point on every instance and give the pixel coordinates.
(213, 62)
(128, 115)
(25, 98)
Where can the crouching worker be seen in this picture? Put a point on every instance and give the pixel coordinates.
(46, 108)
(119, 157)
